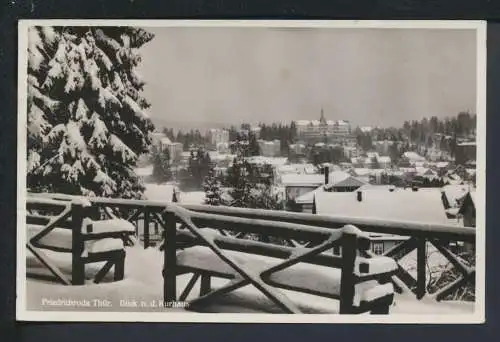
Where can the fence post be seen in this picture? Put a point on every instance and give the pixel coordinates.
(347, 279)
(146, 227)
(77, 245)
(169, 258)
(421, 267)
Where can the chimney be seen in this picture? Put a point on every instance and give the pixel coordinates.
(360, 196)
(326, 170)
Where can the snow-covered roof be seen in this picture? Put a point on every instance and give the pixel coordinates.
(309, 169)
(442, 164)
(165, 141)
(366, 129)
(470, 143)
(454, 192)
(309, 196)
(424, 205)
(408, 169)
(302, 179)
(413, 156)
(286, 169)
(336, 177)
(348, 182)
(302, 122)
(362, 171)
(384, 159)
(275, 161)
(424, 171)
(372, 154)
(214, 155)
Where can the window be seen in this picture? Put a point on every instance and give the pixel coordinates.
(378, 248)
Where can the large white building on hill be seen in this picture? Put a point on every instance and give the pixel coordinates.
(325, 131)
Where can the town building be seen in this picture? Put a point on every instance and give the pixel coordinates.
(217, 136)
(175, 151)
(302, 193)
(324, 131)
(350, 151)
(160, 142)
(297, 149)
(384, 162)
(296, 185)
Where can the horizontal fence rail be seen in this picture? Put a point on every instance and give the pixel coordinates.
(299, 230)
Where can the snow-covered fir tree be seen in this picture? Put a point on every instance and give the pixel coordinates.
(212, 188)
(87, 120)
(237, 180)
(161, 166)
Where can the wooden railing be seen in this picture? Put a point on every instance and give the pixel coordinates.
(240, 221)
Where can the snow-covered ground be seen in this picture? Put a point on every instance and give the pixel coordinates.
(143, 282)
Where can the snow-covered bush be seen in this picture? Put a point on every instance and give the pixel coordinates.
(87, 121)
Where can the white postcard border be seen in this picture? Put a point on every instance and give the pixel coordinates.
(478, 316)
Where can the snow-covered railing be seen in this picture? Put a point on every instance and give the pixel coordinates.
(65, 226)
(360, 281)
(419, 236)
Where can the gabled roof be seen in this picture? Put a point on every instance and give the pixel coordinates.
(165, 141)
(469, 200)
(454, 193)
(348, 182)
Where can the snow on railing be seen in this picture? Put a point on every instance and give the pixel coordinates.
(148, 218)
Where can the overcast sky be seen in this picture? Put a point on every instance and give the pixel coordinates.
(370, 77)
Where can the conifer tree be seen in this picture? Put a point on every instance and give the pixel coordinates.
(212, 188)
(161, 166)
(87, 121)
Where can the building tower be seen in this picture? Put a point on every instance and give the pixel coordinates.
(322, 119)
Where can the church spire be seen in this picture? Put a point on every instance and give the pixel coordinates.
(322, 119)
